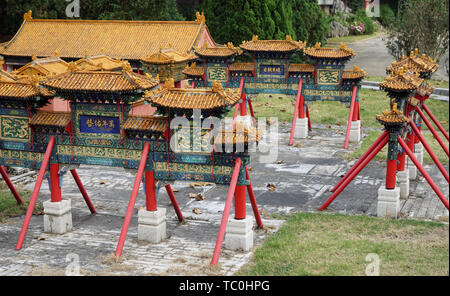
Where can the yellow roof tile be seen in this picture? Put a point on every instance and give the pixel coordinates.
(129, 40)
(146, 123)
(46, 118)
(218, 51)
(392, 117)
(305, 68)
(402, 80)
(242, 67)
(415, 63)
(22, 90)
(167, 56)
(44, 67)
(256, 45)
(193, 70)
(329, 53)
(99, 62)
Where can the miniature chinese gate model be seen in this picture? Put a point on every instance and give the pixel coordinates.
(99, 130)
(408, 92)
(271, 72)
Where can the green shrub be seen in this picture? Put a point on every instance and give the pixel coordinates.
(361, 17)
(387, 15)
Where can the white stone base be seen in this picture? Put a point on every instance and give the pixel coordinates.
(418, 152)
(411, 169)
(57, 216)
(388, 202)
(152, 225)
(301, 128)
(239, 234)
(355, 132)
(403, 183)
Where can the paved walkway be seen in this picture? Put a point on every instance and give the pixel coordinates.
(302, 177)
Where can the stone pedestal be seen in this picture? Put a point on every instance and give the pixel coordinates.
(152, 225)
(239, 234)
(388, 202)
(403, 183)
(57, 216)
(418, 152)
(301, 128)
(411, 169)
(355, 132)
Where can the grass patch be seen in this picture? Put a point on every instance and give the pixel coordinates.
(325, 244)
(349, 39)
(9, 207)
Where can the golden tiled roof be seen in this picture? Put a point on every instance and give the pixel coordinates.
(45, 67)
(329, 53)
(121, 39)
(218, 51)
(305, 68)
(415, 63)
(249, 67)
(101, 81)
(402, 80)
(425, 90)
(287, 45)
(413, 101)
(45, 118)
(99, 62)
(392, 117)
(22, 90)
(146, 123)
(6, 77)
(193, 70)
(356, 73)
(204, 99)
(241, 135)
(167, 56)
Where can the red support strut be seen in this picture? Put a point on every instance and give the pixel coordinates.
(252, 198)
(433, 131)
(83, 191)
(10, 185)
(296, 111)
(55, 189)
(239, 202)
(438, 124)
(174, 203)
(350, 117)
(150, 194)
(423, 172)
(226, 211)
(34, 195)
(132, 202)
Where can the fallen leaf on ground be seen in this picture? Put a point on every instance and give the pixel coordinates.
(197, 196)
(42, 238)
(271, 187)
(196, 211)
(102, 182)
(200, 184)
(249, 169)
(280, 161)
(297, 145)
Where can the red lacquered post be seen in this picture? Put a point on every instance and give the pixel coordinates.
(364, 156)
(355, 173)
(391, 171)
(34, 195)
(239, 202)
(150, 194)
(83, 191)
(174, 203)
(433, 131)
(309, 118)
(226, 211)
(10, 185)
(250, 106)
(438, 124)
(296, 111)
(54, 183)
(350, 117)
(132, 202)
(423, 172)
(252, 198)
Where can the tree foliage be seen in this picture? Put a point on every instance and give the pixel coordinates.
(421, 24)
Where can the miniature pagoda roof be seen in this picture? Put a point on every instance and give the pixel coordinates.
(44, 67)
(356, 73)
(425, 90)
(240, 135)
(413, 101)
(392, 117)
(256, 45)
(51, 118)
(247, 67)
(23, 90)
(401, 80)
(122, 39)
(303, 68)
(158, 124)
(101, 81)
(99, 62)
(416, 63)
(193, 70)
(218, 51)
(167, 56)
(318, 52)
(205, 99)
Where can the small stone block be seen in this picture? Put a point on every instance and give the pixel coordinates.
(239, 234)
(152, 225)
(403, 183)
(57, 216)
(301, 128)
(388, 204)
(355, 132)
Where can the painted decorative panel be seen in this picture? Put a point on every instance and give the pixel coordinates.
(14, 128)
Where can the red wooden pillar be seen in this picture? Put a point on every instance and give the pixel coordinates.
(391, 173)
(401, 160)
(150, 193)
(54, 183)
(243, 108)
(301, 107)
(239, 202)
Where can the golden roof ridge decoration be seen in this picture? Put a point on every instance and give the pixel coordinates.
(401, 79)
(329, 52)
(240, 135)
(356, 73)
(23, 90)
(167, 56)
(392, 117)
(193, 70)
(416, 63)
(200, 17)
(286, 45)
(28, 16)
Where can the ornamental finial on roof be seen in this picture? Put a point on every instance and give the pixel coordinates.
(217, 86)
(170, 83)
(317, 45)
(230, 45)
(126, 66)
(28, 16)
(289, 38)
(56, 53)
(343, 46)
(200, 18)
(72, 67)
(33, 57)
(86, 53)
(255, 38)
